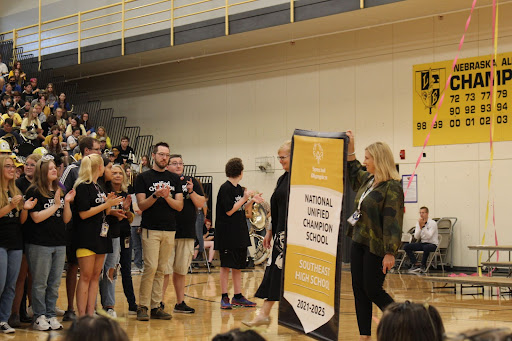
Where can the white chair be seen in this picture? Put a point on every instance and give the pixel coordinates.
(401, 255)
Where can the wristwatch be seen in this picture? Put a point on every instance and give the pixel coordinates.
(154, 196)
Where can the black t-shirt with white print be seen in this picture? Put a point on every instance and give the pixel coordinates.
(88, 230)
(10, 230)
(51, 231)
(186, 219)
(160, 216)
(230, 231)
(118, 227)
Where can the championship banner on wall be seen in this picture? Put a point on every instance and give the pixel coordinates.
(466, 112)
(312, 260)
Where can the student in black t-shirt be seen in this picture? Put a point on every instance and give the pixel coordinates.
(92, 206)
(19, 308)
(125, 151)
(185, 234)
(46, 251)
(119, 230)
(12, 212)
(155, 190)
(231, 234)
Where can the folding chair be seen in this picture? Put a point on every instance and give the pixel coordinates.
(406, 238)
(205, 256)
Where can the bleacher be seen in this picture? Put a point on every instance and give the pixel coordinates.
(115, 125)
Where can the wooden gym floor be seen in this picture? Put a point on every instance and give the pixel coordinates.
(203, 293)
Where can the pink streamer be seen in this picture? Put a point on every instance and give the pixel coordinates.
(441, 100)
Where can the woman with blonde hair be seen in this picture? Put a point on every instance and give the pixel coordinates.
(31, 127)
(13, 212)
(92, 206)
(375, 228)
(270, 287)
(46, 251)
(101, 132)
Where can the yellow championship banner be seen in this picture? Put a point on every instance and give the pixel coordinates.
(311, 270)
(465, 115)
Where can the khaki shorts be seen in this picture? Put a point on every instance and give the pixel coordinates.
(181, 258)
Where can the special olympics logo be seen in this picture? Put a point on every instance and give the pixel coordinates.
(318, 152)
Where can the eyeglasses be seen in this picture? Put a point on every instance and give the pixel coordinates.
(10, 166)
(176, 164)
(281, 158)
(163, 154)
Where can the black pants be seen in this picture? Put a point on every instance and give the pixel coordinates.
(427, 248)
(367, 280)
(126, 272)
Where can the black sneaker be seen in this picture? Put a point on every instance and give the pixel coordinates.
(69, 315)
(160, 314)
(162, 305)
(183, 308)
(132, 310)
(142, 313)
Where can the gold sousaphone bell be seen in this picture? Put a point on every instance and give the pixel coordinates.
(259, 217)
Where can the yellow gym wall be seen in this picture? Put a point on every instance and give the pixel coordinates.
(247, 103)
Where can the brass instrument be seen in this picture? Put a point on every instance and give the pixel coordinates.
(259, 219)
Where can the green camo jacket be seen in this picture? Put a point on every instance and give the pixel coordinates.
(382, 212)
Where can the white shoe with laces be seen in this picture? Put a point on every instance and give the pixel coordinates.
(111, 312)
(54, 323)
(41, 323)
(6, 328)
(59, 312)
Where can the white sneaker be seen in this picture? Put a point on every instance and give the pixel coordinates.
(111, 312)
(6, 328)
(54, 323)
(41, 323)
(30, 311)
(59, 312)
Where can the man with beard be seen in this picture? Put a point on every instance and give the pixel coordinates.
(154, 190)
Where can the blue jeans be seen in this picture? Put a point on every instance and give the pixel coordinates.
(199, 229)
(427, 248)
(107, 285)
(126, 272)
(46, 264)
(10, 262)
(136, 244)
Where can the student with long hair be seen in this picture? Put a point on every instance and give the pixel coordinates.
(92, 206)
(19, 309)
(47, 248)
(101, 132)
(12, 212)
(120, 229)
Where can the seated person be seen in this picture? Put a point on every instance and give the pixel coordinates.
(101, 132)
(208, 237)
(61, 102)
(5, 103)
(410, 322)
(75, 123)
(38, 108)
(15, 86)
(96, 328)
(426, 231)
(31, 128)
(7, 89)
(89, 129)
(72, 141)
(55, 146)
(17, 101)
(8, 131)
(103, 144)
(125, 151)
(43, 100)
(27, 95)
(54, 131)
(23, 112)
(61, 120)
(35, 89)
(48, 124)
(12, 114)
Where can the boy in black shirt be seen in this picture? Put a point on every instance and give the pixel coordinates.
(231, 234)
(154, 190)
(185, 233)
